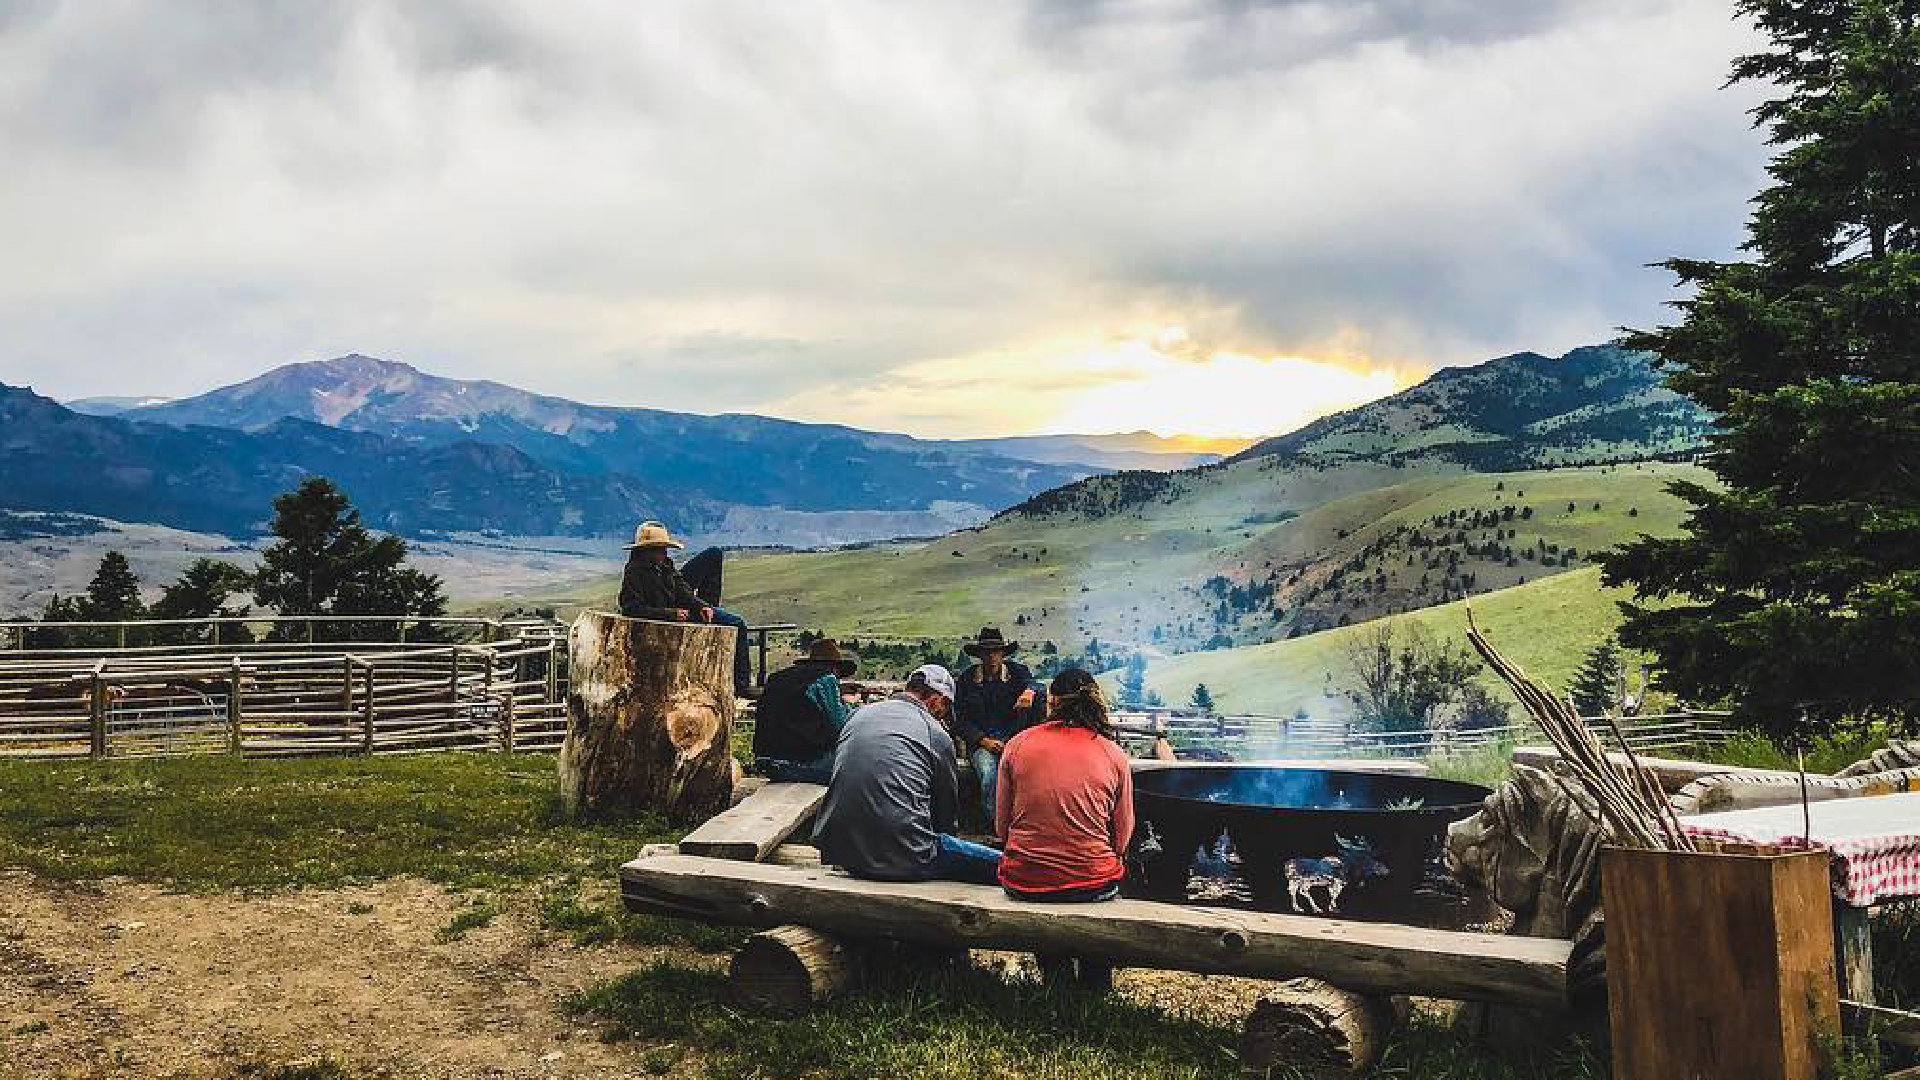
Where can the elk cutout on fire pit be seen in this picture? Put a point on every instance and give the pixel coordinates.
(1334, 873)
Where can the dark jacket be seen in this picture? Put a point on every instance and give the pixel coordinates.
(985, 709)
(800, 713)
(894, 790)
(656, 591)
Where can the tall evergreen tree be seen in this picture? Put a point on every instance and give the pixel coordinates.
(1133, 683)
(1596, 686)
(114, 593)
(202, 592)
(1798, 583)
(327, 563)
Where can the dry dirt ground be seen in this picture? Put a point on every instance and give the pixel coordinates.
(125, 980)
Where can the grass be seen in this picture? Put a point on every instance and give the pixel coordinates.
(968, 1024)
(200, 824)
(1825, 754)
(604, 921)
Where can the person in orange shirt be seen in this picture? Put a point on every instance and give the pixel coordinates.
(1064, 801)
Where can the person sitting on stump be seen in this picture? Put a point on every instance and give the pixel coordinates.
(1065, 800)
(801, 711)
(997, 697)
(893, 798)
(652, 588)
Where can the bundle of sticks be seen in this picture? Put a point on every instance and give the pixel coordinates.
(1633, 807)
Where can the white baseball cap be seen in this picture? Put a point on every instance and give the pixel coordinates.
(939, 680)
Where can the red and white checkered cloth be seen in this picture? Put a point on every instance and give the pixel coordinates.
(1875, 840)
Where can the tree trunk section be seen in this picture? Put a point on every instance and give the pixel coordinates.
(1318, 1029)
(789, 970)
(649, 714)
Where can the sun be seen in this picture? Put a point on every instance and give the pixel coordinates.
(1157, 384)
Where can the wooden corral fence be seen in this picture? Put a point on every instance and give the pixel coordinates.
(496, 685)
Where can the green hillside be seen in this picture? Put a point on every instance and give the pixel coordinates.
(1171, 578)
(1544, 626)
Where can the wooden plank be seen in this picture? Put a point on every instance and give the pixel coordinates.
(1366, 957)
(1672, 773)
(757, 825)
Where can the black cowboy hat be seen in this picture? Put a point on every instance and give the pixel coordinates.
(825, 650)
(990, 637)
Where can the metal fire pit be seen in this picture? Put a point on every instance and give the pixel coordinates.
(1271, 815)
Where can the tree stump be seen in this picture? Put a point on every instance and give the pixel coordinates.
(789, 970)
(649, 714)
(1318, 1029)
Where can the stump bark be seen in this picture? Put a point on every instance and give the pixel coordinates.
(789, 970)
(1318, 1029)
(649, 713)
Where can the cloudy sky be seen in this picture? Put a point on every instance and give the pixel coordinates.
(1212, 216)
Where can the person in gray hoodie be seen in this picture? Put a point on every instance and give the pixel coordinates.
(892, 801)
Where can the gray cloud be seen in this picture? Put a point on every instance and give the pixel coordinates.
(720, 205)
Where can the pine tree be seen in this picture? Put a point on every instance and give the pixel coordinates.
(1202, 699)
(114, 593)
(201, 592)
(1799, 576)
(327, 563)
(1596, 685)
(1133, 683)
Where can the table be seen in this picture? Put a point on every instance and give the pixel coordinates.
(1875, 845)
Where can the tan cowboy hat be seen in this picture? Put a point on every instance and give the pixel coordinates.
(652, 534)
(827, 651)
(990, 639)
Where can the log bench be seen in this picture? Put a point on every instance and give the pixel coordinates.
(1367, 958)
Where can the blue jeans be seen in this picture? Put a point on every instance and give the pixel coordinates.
(1096, 894)
(962, 860)
(986, 766)
(782, 771)
(742, 664)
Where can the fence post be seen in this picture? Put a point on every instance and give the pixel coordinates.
(366, 745)
(97, 715)
(453, 675)
(346, 684)
(234, 709)
(553, 668)
(123, 635)
(506, 730)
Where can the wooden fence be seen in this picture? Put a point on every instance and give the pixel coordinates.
(503, 689)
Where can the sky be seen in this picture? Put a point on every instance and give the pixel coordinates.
(1218, 217)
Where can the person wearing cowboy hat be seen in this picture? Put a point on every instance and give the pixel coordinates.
(652, 588)
(996, 702)
(800, 714)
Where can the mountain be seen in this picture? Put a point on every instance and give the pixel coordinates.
(730, 459)
(1126, 450)
(224, 480)
(1599, 403)
(112, 406)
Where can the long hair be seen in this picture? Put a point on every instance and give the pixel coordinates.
(1078, 702)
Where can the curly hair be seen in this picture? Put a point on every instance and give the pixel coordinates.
(1078, 702)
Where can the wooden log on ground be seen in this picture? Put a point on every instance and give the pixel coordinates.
(649, 713)
(788, 970)
(1368, 957)
(1317, 1029)
(758, 824)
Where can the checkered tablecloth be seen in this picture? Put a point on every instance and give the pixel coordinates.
(1875, 841)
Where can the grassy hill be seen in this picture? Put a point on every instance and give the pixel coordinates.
(1168, 578)
(1544, 626)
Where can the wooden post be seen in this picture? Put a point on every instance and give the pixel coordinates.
(366, 744)
(649, 713)
(97, 714)
(553, 669)
(1719, 966)
(506, 724)
(1853, 949)
(789, 970)
(1312, 1027)
(346, 684)
(453, 674)
(234, 709)
(123, 635)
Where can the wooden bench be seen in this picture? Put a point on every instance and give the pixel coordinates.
(1373, 958)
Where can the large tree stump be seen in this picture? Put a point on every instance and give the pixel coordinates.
(649, 713)
(1318, 1029)
(789, 970)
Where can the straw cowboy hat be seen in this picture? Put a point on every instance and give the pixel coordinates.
(652, 534)
(827, 651)
(990, 638)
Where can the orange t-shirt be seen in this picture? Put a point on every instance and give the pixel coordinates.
(1065, 806)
